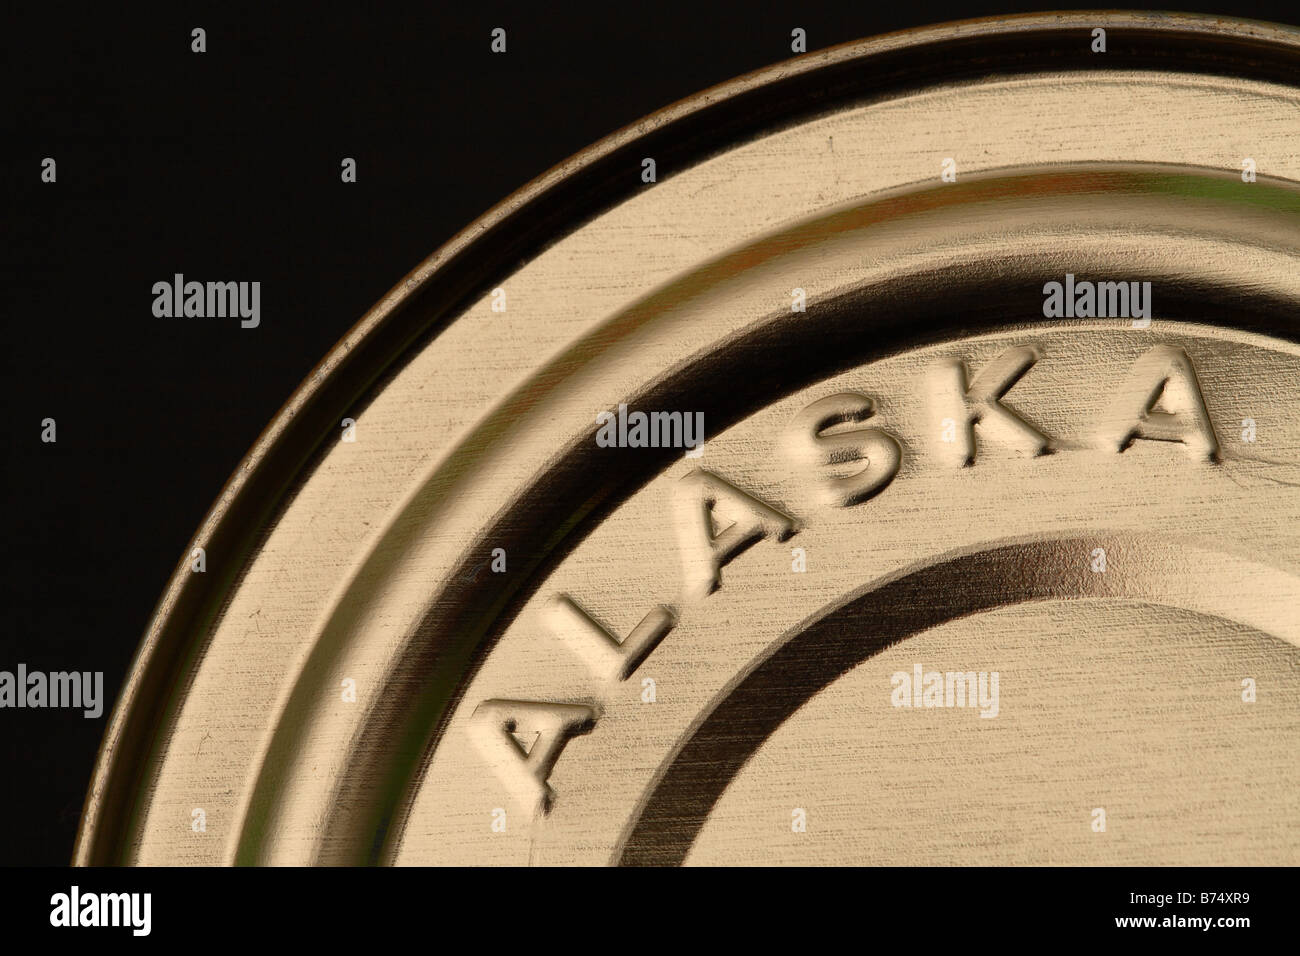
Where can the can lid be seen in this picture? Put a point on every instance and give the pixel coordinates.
(889, 456)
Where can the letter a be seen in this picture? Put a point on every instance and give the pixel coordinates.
(499, 729)
(706, 547)
(1162, 373)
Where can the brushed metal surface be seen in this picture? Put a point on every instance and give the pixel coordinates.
(494, 722)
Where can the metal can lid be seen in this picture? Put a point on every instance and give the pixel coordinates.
(889, 456)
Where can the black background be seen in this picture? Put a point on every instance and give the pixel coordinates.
(225, 166)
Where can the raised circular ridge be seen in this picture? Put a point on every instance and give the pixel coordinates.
(406, 315)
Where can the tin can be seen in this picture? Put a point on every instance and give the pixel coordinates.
(890, 456)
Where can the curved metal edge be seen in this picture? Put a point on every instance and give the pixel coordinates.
(571, 191)
(818, 651)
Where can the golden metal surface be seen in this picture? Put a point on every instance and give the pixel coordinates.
(406, 647)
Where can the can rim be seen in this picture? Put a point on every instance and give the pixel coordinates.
(289, 445)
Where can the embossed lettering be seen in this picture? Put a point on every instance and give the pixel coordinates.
(1163, 374)
(522, 740)
(977, 401)
(811, 443)
(604, 653)
(706, 546)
